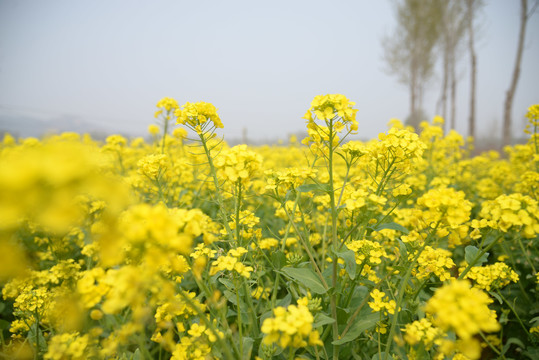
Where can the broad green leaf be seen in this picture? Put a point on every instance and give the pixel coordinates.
(284, 302)
(229, 284)
(137, 355)
(279, 259)
(532, 353)
(322, 319)
(470, 254)
(510, 342)
(4, 324)
(230, 296)
(247, 347)
(362, 324)
(498, 297)
(305, 277)
(403, 250)
(349, 258)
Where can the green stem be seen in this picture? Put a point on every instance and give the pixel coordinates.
(238, 209)
(343, 185)
(240, 325)
(218, 196)
(37, 334)
(379, 342)
(291, 353)
(252, 311)
(165, 133)
(526, 255)
(513, 310)
(401, 297)
(491, 346)
(334, 241)
(283, 246)
(308, 251)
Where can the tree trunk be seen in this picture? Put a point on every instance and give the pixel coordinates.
(453, 80)
(442, 102)
(413, 89)
(473, 69)
(443, 96)
(516, 73)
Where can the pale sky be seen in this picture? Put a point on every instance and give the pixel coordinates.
(259, 62)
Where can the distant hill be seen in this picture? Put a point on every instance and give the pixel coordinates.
(27, 126)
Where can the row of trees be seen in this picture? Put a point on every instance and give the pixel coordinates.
(438, 30)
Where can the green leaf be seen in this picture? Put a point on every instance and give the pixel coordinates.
(498, 297)
(510, 342)
(313, 187)
(308, 188)
(230, 296)
(349, 258)
(4, 324)
(532, 353)
(322, 319)
(305, 277)
(137, 355)
(247, 347)
(392, 226)
(378, 356)
(278, 258)
(229, 284)
(284, 302)
(360, 326)
(471, 253)
(403, 250)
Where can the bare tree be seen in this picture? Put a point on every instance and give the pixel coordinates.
(409, 53)
(510, 94)
(471, 7)
(453, 28)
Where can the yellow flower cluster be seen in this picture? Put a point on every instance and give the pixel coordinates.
(288, 179)
(362, 199)
(491, 277)
(381, 303)
(68, 346)
(238, 164)
(533, 118)
(433, 261)
(463, 309)
(338, 114)
(422, 331)
(446, 207)
(198, 115)
(231, 262)
(167, 104)
(397, 149)
(152, 165)
(268, 243)
(291, 327)
(514, 211)
(367, 252)
(169, 231)
(328, 107)
(353, 150)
